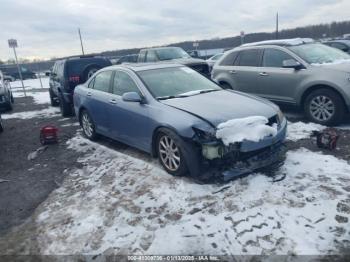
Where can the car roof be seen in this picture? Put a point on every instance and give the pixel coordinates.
(137, 67)
(159, 48)
(281, 42)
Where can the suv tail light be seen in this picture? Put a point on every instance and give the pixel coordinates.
(74, 79)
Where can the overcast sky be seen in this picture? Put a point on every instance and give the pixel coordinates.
(46, 29)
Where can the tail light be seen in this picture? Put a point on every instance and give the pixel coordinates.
(74, 79)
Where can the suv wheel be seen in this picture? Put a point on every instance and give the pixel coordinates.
(88, 125)
(53, 99)
(66, 109)
(325, 107)
(89, 71)
(169, 149)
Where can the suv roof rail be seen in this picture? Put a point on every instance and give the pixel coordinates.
(282, 42)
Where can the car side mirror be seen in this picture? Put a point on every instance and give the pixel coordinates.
(291, 63)
(132, 97)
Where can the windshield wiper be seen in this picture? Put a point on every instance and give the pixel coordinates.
(208, 91)
(170, 97)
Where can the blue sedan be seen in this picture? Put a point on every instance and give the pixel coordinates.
(173, 113)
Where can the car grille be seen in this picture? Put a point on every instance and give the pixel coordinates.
(201, 68)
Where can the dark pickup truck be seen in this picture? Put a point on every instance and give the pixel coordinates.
(175, 54)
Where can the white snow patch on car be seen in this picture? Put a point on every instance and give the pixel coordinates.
(301, 130)
(47, 112)
(335, 62)
(116, 203)
(253, 128)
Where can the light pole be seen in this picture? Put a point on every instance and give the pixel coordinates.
(81, 42)
(13, 44)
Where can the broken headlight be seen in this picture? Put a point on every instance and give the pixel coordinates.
(204, 136)
(280, 116)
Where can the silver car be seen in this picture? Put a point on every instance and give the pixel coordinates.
(297, 72)
(6, 97)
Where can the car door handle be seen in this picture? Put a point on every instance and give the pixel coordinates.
(263, 74)
(233, 72)
(88, 94)
(113, 101)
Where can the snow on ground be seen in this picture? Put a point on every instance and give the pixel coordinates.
(30, 84)
(301, 130)
(40, 96)
(123, 205)
(252, 128)
(47, 112)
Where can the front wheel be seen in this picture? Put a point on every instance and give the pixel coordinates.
(170, 153)
(324, 107)
(88, 125)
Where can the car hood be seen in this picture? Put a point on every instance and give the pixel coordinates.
(221, 106)
(338, 66)
(189, 61)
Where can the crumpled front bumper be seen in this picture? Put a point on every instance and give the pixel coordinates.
(268, 154)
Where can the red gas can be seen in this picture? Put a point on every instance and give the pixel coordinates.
(48, 135)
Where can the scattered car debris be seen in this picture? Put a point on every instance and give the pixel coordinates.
(33, 155)
(326, 139)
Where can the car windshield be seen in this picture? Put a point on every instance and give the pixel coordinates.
(171, 53)
(319, 53)
(175, 82)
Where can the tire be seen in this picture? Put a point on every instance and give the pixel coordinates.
(66, 109)
(53, 99)
(88, 125)
(89, 71)
(1, 125)
(176, 163)
(325, 107)
(9, 106)
(226, 86)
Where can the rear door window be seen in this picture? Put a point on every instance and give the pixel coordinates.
(250, 57)
(151, 56)
(102, 81)
(229, 59)
(274, 58)
(123, 83)
(142, 56)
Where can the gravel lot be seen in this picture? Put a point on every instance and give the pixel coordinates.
(94, 198)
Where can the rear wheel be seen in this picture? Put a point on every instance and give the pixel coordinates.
(66, 109)
(170, 153)
(325, 107)
(53, 98)
(88, 125)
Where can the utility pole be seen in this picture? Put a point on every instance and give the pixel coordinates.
(277, 25)
(81, 42)
(13, 44)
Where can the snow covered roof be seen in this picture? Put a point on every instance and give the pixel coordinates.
(283, 42)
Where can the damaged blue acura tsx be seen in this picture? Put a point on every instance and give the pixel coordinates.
(178, 115)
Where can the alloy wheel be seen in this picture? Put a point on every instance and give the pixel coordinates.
(87, 125)
(322, 108)
(169, 153)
